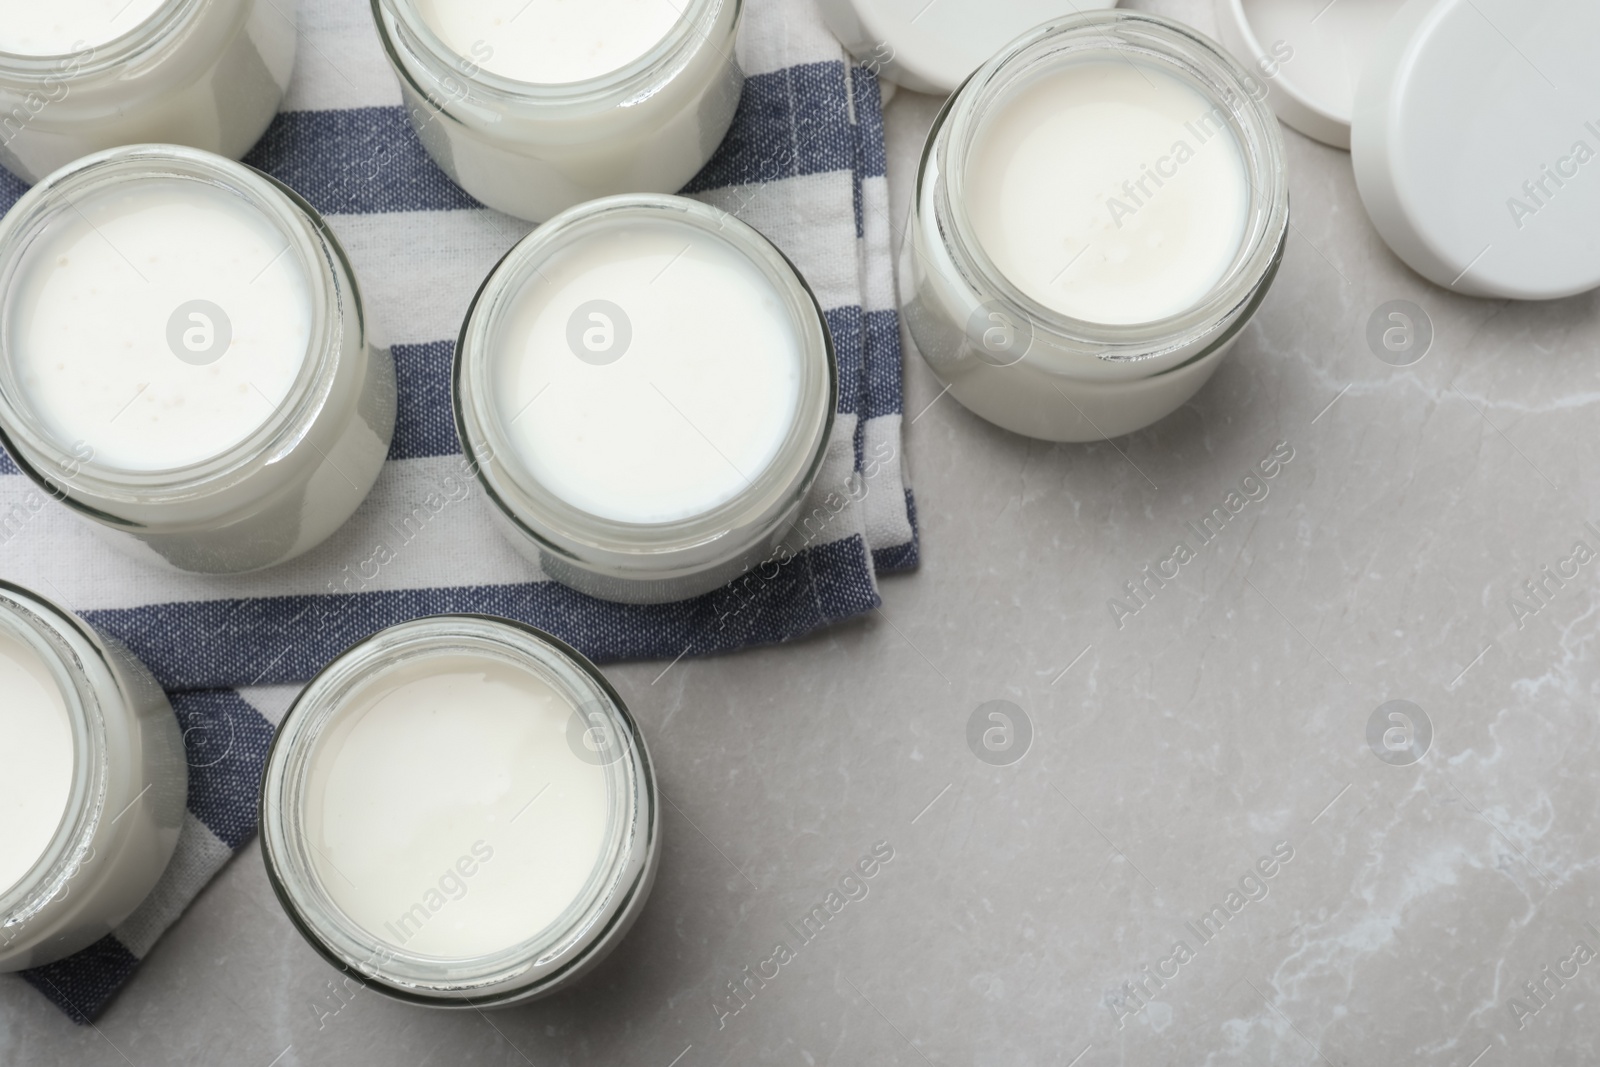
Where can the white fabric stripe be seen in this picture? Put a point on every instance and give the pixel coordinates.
(272, 701)
(888, 523)
(339, 60)
(455, 546)
(878, 281)
(199, 856)
(801, 215)
(460, 248)
(423, 513)
(778, 35)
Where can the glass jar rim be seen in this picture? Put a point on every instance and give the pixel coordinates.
(46, 459)
(61, 641)
(1197, 61)
(159, 29)
(400, 24)
(517, 971)
(559, 526)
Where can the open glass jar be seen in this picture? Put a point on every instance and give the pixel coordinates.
(205, 73)
(550, 135)
(245, 414)
(95, 795)
(647, 388)
(1000, 340)
(459, 812)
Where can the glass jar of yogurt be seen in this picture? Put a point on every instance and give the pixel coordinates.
(95, 783)
(533, 106)
(184, 359)
(78, 76)
(459, 812)
(1099, 211)
(648, 388)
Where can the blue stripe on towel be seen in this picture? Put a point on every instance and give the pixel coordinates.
(425, 425)
(356, 161)
(11, 189)
(81, 984)
(845, 326)
(881, 392)
(271, 640)
(872, 159)
(227, 741)
(787, 125)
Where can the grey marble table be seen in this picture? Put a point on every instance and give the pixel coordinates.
(1097, 893)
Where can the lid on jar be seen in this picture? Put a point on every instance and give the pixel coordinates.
(1476, 144)
(1308, 56)
(933, 47)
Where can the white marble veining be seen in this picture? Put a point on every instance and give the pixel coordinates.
(1168, 757)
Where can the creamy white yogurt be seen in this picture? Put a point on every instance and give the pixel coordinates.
(1109, 191)
(38, 776)
(694, 408)
(160, 323)
(550, 41)
(59, 27)
(447, 810)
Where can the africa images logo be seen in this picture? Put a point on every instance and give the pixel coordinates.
(1540, 190)
(1143, 588)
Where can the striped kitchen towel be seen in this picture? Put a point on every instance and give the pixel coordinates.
(804, 163)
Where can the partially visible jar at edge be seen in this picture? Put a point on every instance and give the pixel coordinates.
(208, 74)
(105, 788)
(533, 148)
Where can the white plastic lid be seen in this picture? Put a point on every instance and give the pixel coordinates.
(932, 45)
(1476, 144)
(1308, 55)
